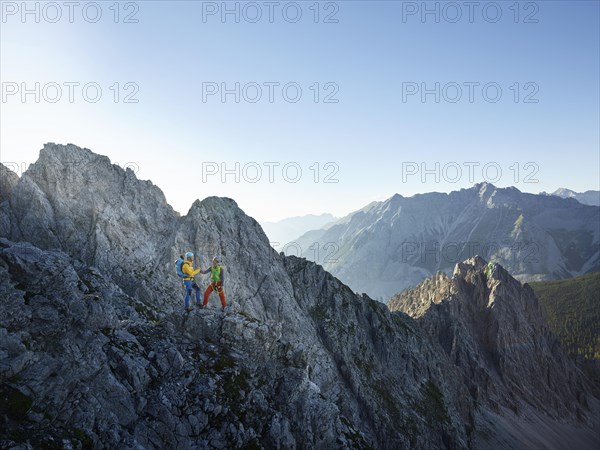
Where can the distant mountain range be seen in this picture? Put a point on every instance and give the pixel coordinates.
(391, 245)
(587, 197)
(282, 233)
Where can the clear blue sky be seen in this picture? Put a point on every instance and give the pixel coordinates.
(369, 135)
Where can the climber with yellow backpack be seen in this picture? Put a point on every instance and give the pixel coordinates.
(186, 271)
(217, 277)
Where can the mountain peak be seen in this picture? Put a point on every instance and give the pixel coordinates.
(486, 191)
(484, 186)
(471, 272)
(214, 206)
(69, 154)
(476, 263)
(564, 192)
(591, 198)
(220, 202)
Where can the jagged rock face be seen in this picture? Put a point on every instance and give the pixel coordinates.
(389, 246)
(383, 360)
(90, 355)
(494, 331)
(416, 301)
(76, 201)
(83, 361)
(90, 368)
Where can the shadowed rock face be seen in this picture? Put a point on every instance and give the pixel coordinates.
(95, 347)
(8, 180)
(493, 330)
(81, 360)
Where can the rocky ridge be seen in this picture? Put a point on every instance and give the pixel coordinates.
(96, 352)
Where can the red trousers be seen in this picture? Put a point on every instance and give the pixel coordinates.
(218, 286)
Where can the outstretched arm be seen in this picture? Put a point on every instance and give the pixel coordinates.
(189, 271)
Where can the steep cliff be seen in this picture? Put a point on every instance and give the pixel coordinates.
(492, 328)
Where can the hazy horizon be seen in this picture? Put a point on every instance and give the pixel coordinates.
(21, 168)
(390, 99)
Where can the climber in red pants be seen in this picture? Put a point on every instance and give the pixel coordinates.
(217, 276)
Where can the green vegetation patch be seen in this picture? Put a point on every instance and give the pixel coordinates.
(432, 405)
(365, 366)
(319, 312)
(248, 317)
(387, 398)
(572, 309)
(224, 362)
